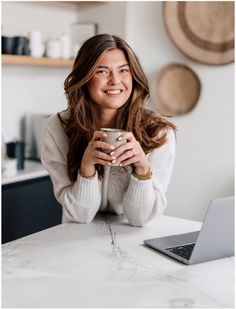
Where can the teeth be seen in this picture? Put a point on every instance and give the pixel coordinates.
(113, 91)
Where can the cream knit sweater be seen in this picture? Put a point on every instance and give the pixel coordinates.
(119, 191)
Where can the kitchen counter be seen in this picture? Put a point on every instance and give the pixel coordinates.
(33, 169)
(105, 264)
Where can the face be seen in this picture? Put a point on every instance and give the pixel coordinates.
(111, 85)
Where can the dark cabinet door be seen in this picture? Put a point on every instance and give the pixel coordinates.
(28, 207)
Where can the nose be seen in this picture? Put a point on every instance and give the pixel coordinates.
(114, 78)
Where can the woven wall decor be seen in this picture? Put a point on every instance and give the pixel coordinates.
(202, 30)
(175, 90)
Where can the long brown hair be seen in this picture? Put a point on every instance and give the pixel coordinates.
(132, 116)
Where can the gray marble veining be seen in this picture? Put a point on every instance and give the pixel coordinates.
(104, 264)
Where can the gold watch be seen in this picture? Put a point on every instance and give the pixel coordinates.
(146, 176)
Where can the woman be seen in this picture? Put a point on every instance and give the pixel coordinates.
(108, 88)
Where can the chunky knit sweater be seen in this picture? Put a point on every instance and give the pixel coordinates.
(118, 191)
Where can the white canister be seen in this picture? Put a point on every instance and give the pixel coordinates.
(53, 49)
(35, 36)
(65, 43)
(37, 48)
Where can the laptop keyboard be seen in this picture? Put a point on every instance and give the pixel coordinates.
(184, 251)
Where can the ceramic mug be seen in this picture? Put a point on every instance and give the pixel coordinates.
(21, 45)
(112, 139)
(8, 45)
(16, 150)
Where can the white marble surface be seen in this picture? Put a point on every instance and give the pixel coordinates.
(104, 264)
(33, 169)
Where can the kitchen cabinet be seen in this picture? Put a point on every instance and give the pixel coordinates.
(33, 61)
(27, 207)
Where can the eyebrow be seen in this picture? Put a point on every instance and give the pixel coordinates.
(105, 67)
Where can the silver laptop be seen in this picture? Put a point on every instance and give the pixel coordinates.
(214, 241)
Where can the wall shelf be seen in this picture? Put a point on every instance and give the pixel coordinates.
(33, 61)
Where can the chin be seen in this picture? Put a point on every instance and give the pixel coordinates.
(114, 104)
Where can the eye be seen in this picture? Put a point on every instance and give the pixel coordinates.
(102, 71)
(124, 70)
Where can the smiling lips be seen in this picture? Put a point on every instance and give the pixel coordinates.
(113, 91)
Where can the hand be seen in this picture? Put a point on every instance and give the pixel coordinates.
(131, 153)
(93, 155)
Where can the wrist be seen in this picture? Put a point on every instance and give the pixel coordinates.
(142, 170)
(87, 171)
(146, 176)
(143, 173)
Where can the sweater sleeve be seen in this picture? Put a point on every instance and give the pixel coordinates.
(81, 200)
(144, 199)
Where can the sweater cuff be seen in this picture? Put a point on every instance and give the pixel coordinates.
(138, 201)
(87, 189)
(139, 191)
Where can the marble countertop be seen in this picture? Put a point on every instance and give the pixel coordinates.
(33, 169)
(105, 264)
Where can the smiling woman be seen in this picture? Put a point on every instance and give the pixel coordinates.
(107, 88)
(111, 85)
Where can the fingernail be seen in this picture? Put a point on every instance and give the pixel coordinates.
(120, 164)
(111, 154)
(113, 161)
(109, 163)
(120, 138)
(112, 147)
(113, 158)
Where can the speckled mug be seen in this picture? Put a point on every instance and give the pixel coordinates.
(112, 139)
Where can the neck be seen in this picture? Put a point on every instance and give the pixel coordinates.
(105, 118)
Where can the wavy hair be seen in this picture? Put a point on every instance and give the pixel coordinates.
(132, 116)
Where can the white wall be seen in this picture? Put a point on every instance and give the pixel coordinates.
(204, 167)
(204, 161)
(109, 16)
(30, 90)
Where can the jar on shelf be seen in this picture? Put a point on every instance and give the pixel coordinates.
(53, 49)
(65, 45)
(37, 48)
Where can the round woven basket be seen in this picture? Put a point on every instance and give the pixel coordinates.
(175, 90)
(202, 30)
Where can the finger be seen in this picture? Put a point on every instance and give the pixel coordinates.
(99, 134)
(103, 145)
(129, 161)
(127, 136)
(102, 162)
(126, 155)
(122, 148)
(102, 155)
